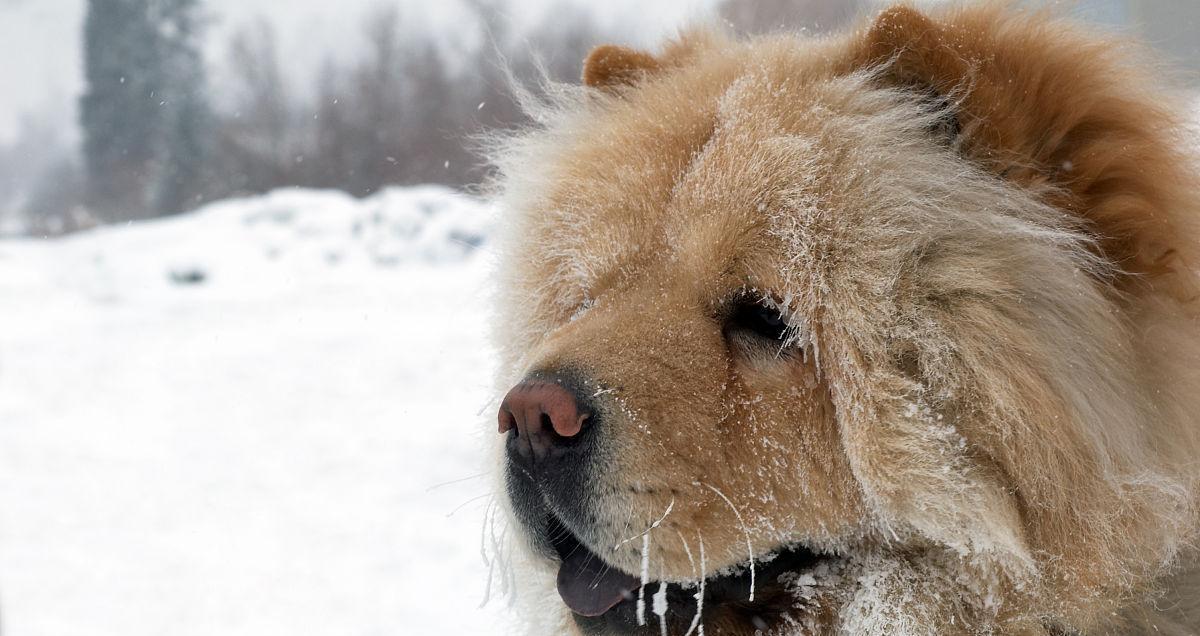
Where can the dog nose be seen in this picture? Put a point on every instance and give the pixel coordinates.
(545, 416)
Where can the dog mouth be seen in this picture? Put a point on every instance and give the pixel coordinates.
(588, 585)
(600, 594)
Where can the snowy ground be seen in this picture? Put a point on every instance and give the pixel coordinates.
(236, 422)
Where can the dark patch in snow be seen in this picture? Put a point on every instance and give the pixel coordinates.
(187, 276)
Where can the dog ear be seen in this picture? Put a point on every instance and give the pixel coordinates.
(915, 49)
(609, 66)
(1041, 102)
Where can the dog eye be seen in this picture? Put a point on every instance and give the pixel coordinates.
(759, 319)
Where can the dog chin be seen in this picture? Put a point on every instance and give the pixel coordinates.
(787, 586)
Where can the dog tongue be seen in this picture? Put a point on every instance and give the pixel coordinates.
(591, 588)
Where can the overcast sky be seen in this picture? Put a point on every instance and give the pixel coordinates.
(40, 40)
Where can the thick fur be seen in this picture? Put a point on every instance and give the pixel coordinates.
(981, 224)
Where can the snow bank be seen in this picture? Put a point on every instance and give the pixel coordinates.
(258, 418)
(287, 233)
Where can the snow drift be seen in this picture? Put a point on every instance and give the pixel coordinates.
(258, 418)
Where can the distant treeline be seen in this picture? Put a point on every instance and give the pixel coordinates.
(155, 141)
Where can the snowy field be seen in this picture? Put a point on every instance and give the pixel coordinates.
(248, 420)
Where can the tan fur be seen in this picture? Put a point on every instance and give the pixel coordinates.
(988, 408)
(609, 66)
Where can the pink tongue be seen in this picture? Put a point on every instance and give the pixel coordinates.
(591, 588)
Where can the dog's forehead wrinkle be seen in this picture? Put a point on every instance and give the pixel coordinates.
(705, 206)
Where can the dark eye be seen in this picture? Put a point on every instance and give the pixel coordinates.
(758, 319)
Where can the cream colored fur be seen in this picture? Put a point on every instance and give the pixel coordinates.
(1011, 402)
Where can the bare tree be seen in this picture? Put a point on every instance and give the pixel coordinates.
(332, 138)
(42, 182)
(257, 136)
(400, 114)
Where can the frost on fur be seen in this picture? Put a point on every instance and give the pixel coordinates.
(979, 418)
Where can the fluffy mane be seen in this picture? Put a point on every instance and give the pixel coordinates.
(1004, 312)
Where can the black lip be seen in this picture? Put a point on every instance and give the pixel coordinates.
(564, 486)
(561, 539)
(724, 595)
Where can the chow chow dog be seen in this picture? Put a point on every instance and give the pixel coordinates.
(891, 332)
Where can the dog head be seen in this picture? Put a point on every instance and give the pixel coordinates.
(843, 334)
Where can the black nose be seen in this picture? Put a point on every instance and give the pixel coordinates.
(543, 419)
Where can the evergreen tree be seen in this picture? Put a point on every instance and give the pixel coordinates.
(186, 120)
(143, 112)
(120, 113)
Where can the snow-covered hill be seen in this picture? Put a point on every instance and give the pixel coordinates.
(248, 420)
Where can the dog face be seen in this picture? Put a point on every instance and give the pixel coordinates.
(796, 347)
(718, 429)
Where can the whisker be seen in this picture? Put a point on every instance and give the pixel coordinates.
(641, 600)
(472, 499)
(483, 528)
(491, 563)
(659, 606)
(498, 555)
(587, 561)
(700, 594)
(688, 551)
(453, 481)
(561, 533)
(745, 532)
(600, 575)
(510, 583)
(697, 623)
(495, 399)
(651, 527)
